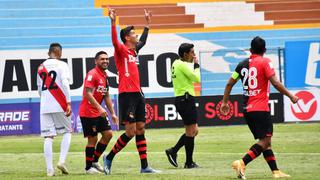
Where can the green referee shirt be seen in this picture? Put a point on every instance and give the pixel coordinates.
(183, 77)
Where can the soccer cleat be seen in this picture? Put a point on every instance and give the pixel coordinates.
(191, 166)
(240, 168)
(92, 170)
(172, 157)
(63, 168)
(97, 166)
(50, 173)
(279, 174)
(149, 170)
(107, 165)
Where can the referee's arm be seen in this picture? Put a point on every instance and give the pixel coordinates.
(193, 75)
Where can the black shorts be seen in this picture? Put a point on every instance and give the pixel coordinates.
(260, 123)
(91, 126)
(187, 109)
(132, 107)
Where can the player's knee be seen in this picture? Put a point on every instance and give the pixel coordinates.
(268, 145)
(131, 132)
(92, 140)
(140, 130)
(107, 135)
(265, 143)
(191, 133)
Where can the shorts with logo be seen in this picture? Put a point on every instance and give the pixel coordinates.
(260, 123)
(187, 109)
(52, 124)
(91, 126)
(132, 107)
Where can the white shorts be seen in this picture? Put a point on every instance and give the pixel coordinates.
(54, 123)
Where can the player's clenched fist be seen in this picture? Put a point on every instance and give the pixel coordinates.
(224, 109)
(112, 14)
(294, 99)
(115, 119)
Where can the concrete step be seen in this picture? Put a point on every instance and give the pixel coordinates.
(157, 19)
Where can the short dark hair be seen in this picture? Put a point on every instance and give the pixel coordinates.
(99, 53)
(184, 48)
(258, 45)
(125, 32)
(53, 47)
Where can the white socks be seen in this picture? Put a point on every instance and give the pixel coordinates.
(64, 147)
(47, 148)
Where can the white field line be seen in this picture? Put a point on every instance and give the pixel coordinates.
(129, 153)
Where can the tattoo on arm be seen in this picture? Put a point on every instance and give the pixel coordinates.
(89, 90)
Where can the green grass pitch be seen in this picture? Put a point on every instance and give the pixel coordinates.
(297, 148)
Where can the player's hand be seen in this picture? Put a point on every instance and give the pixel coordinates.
(103, 112)
(148, 15)
(112, 14)
(115, 119)
(224, 109)
(68, 110)
(294, 99)
(195, 60)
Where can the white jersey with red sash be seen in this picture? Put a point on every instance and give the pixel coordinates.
(52, 80)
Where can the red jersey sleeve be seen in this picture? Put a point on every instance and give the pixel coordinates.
(116, 44)
(90, 81)
(268, 68)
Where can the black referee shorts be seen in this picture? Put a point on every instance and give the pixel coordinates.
(260, 123)
(187, 109)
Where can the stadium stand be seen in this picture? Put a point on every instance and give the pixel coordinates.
(165, 16)
(32, 24)
(289, 12)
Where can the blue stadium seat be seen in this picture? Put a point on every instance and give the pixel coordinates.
(33, 24)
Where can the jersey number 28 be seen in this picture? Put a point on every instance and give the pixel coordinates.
(44, 77)
(249, 77)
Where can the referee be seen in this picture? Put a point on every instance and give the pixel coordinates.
(183, 77)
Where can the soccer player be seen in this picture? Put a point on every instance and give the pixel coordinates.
(131, 99)
(256, 73)
(183, 78)
(55, 106)
(93, 116)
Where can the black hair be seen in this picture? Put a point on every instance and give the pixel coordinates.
(125, 32)
(184, 48)
(99, 53)
(258, 45)
(54, 46)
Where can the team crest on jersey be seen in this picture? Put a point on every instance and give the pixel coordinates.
(271, 65)
(89, 78)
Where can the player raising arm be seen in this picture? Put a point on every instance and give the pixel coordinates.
(256, 73)
(131, 99)
(55, 106)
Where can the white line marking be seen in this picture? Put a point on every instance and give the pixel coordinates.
(201, 153)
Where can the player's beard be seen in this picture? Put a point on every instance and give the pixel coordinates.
(104, 67)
